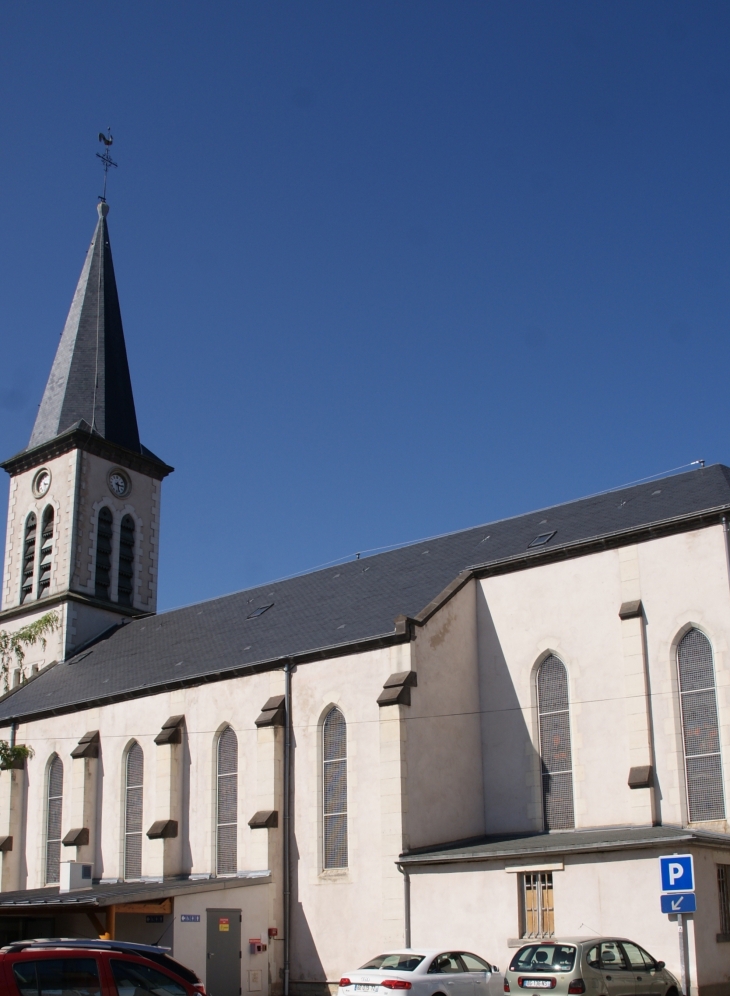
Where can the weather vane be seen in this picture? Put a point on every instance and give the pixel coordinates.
(106, 159)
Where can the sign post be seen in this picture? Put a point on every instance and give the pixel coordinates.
(678, 896)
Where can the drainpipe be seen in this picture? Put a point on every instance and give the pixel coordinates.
(287, 822)
(407, 902)
(13, 731)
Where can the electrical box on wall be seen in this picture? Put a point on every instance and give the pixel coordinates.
(255, 945)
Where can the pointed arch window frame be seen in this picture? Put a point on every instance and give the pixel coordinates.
(53, 832)
(700, 731)
(226, 802)
(133, 805)
(335, 793)
(556, 770)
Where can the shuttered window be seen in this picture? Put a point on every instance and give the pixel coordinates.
(53, 820)
(227, 804)
(26, 589)
(538, 908)
(134, 789)
(126, 560)
(700, 733)
(103, 552)
(555, 751)
(334, 790)
(46, 558)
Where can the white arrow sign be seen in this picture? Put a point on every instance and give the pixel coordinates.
(676, 904)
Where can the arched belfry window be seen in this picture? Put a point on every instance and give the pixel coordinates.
(133, 792)
(334, 790)
(26, 587)
(700, 733)
(126, 560)
(46, 558)
(227, 804)
(555, 752)
(54, 813)
(103, 552)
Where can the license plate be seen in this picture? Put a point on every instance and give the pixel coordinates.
(361, 988)
(537, 983)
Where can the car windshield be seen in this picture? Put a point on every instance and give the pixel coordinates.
(405, 962)
(544, 958)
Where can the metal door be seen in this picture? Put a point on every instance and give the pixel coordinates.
(223, 953)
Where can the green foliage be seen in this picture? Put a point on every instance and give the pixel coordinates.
(12, 647)
(10, 755)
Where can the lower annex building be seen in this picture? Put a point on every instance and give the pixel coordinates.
(467, 741)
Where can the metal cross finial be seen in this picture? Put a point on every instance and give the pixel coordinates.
(106, 159)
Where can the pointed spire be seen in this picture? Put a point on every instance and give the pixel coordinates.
(90, 380)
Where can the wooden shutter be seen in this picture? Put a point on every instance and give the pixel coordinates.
(334, 790)
(227, 804)
(555, 748)
(28, 557)
(103, 552)
(126, 560)
(700, 733)
(133, 813)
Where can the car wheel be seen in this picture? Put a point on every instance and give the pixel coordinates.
(672, 991)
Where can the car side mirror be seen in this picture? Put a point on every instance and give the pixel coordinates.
(660, 965)
(495, 969)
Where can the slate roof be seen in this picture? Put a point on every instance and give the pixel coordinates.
(89, 381)
(353, 606)
(512, 847)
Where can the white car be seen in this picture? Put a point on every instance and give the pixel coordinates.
(426, 972)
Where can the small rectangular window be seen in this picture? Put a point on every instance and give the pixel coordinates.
(723, 894)
(542, 539)
(260, 610)
(538, 912)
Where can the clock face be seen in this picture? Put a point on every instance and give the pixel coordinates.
(118, 484)
(41, 483)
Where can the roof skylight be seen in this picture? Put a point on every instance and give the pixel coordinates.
(259, 611)
(542, 539)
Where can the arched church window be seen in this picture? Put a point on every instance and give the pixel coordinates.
(700, 733)
(26, 588)
(556, 757)
(227, 804)
(46, 558)
(54, 812)
(134, 787)
(126, 560)
(103, 552)
(334, 790)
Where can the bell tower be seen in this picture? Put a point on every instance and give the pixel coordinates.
(84, 511)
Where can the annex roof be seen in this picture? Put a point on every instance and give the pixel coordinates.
(89, 381)
(50, 899)
(354, 606)
(512, 847)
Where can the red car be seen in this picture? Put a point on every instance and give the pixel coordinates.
(93, 968)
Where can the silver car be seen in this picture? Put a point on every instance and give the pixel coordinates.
(601, 966)
(427, 972)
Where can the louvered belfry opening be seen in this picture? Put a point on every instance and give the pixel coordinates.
(227, 804)
(53, 820)
(46, 558)
(334, 790)
(26, 589)
(103, 552)
(700, 733)
(555, 750)
(133, 801)
(126, 560)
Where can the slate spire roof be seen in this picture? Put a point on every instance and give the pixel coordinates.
(89, 381)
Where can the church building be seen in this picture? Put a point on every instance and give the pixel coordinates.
(464, 742)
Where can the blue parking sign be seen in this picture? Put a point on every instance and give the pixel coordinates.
(677, 873)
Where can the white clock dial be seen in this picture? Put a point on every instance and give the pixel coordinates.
(42, 483)
(118, 484)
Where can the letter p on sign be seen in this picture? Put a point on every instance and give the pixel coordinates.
(677, 873)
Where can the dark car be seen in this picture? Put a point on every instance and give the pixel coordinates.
(93, 968)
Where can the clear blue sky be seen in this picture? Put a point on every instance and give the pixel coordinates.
(386, 269)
